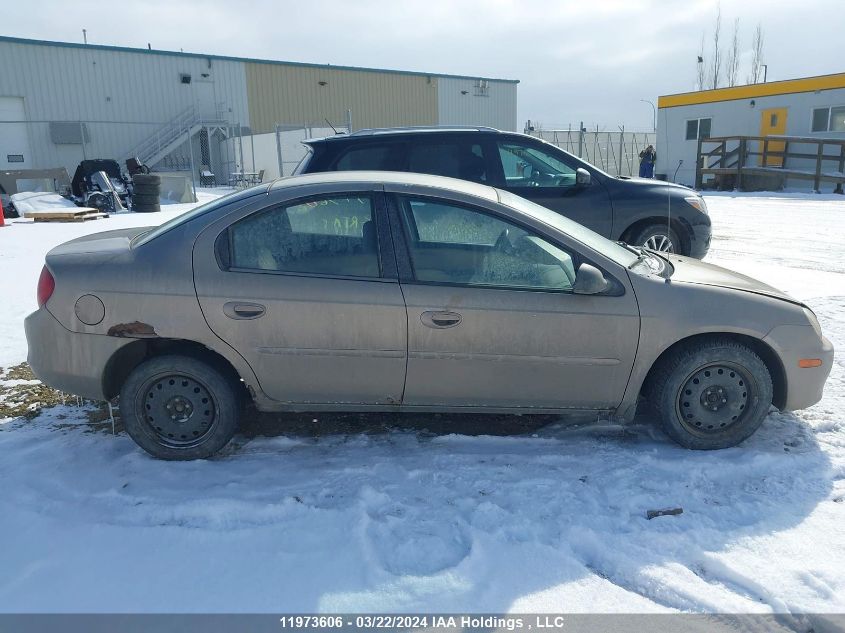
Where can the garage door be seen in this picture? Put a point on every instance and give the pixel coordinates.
(14, 138)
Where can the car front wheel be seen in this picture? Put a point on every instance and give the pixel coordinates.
(711, 394)
(179, 408)
(658, 237)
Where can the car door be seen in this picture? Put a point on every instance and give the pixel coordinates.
(547, 176)
(492, 319)
(306, 291)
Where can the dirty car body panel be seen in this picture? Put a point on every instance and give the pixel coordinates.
(401, 332)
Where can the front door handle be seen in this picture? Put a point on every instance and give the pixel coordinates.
(440, 319)
(241, 310)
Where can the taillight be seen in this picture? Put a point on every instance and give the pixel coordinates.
(46, 286)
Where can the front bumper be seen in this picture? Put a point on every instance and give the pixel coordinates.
(68, 361)
(700, 237)
(804, 386)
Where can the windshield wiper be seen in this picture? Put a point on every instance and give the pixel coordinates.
(628, 247)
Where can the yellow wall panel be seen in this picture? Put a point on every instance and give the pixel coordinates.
(302, 95)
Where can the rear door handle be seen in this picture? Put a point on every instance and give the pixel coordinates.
(240, 310)
(440, 319)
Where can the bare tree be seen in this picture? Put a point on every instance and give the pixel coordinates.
(716, 65)
(756, 55)
(700, 68)
(732, 60)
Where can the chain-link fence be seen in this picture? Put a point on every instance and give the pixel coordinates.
(616, 152)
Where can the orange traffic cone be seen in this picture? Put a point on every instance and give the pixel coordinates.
(2, 220)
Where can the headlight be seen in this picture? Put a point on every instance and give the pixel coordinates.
(814, 321)
(698, 203)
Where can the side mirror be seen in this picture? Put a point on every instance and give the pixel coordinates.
(589, 281)
(582, 177)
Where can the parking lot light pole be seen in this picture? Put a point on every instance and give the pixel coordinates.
(654, 111)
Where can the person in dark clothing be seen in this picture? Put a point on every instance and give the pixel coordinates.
(647, 159)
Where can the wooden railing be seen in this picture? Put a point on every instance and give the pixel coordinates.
(728, 157)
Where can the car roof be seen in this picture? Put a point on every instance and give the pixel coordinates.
(368, 133)
(388, 178)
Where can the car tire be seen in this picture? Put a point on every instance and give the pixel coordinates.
(150, 208)
(656, 235)
(146, 179)
(711, 395)
(145, 199)
(179, 408)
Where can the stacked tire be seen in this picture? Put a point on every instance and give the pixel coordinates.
(146, 189)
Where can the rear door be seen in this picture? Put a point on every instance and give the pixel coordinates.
(547, 176)
(305, 289)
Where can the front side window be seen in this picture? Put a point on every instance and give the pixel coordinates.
(454, 159)
(461, 245)
(526, 166)
(329, 236)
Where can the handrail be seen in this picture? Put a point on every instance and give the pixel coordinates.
(166, 134)
(772, 159)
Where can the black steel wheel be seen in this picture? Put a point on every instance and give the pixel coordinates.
(714, 397)
(711, 394)
(176, 407)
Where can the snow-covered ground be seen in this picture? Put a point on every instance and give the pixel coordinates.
(553, 519)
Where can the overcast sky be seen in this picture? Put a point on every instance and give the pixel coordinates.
(590, 60)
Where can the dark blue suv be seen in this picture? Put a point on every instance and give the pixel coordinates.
(651, 213)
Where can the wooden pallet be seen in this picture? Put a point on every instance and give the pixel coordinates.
(66, 215)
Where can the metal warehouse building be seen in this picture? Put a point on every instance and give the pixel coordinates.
(802, 112)
(61, 102)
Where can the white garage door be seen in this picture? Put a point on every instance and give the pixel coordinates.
(14, 140)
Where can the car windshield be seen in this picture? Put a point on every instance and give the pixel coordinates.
(616, 252)
(143, 238)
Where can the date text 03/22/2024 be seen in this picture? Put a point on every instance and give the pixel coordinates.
(446, 622)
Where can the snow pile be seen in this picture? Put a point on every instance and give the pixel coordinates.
(382, 517)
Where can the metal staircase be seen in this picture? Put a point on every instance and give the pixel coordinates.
(172, 135)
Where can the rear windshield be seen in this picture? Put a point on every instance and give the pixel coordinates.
(196, 212)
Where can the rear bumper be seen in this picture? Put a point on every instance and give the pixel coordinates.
(65, 360)
(804, 386)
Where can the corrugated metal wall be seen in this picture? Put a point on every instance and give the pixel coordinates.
(123, 96)
(294, 95)
(459, 102)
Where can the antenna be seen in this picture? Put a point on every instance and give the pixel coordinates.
(331, 126)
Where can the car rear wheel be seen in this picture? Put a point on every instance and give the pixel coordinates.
(658, 237)
(711, 394)
(179, 408)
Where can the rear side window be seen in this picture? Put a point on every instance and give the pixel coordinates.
(328, 236)
(452, 159)
(373, 157)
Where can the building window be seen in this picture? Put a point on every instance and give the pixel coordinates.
(829, 119)
(698, 129)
